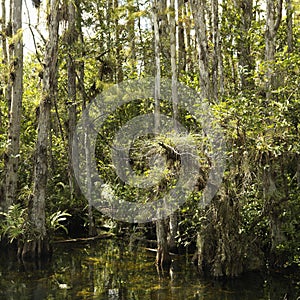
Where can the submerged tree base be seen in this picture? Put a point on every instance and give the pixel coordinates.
(34, 249)
(163, 259)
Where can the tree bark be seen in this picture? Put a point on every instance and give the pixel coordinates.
(6, 28)
(157, 65)
(188, 38)
(246, 64)
(132, 33)
(182, 59)
(37, 244)
(217, 65)
(72, 36)
(118, 46)
(15, 113)
(273, 19)
(198, 11)
(173, 217)
(289, 22)
(162, 257)
(87, 143)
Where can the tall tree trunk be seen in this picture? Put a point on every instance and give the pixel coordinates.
(173, 222)
(87, 142)
(6, 92)
(131, 35)
(289, 22)
(198, 10)
(72, 37)
(4, 33)
(37, 243)
(217, 66)
(273, 19)
(182, 59)
(15, 113)
(10, 52)
(118, 46)
(162, 257)
(246, 64)
(6, 28)
(157, 64)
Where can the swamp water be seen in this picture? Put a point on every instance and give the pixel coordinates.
(110, 270)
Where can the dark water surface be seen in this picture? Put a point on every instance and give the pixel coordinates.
(111, 270)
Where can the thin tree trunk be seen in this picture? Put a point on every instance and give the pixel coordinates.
(9, 33)
(173, 217)
(198, 11)
(182, 59)
(217, 72)
(7, 93)
(246, 64)
(6, 28)
(37, 244)
(15, 113)
(273, 19)
(87, 143)
(188, 39)
(132, 33)
(162, 257)
(118, 47)
(289, 22)
(173, 62)
(157, 65)
(298, 170)
(72, 37)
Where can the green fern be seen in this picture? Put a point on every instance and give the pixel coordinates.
(13, 224)
(55, 220)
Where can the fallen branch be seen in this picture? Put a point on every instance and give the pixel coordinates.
(88, 239)
(155, 250)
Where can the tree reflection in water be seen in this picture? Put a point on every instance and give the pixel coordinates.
(110, 270)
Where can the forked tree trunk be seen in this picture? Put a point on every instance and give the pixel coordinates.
(15, 112)
(37, 244)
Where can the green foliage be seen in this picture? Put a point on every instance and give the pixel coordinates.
(55, 221)
(13, 224)
(261, 131)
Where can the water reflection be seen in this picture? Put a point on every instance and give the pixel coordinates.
(108, 270)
